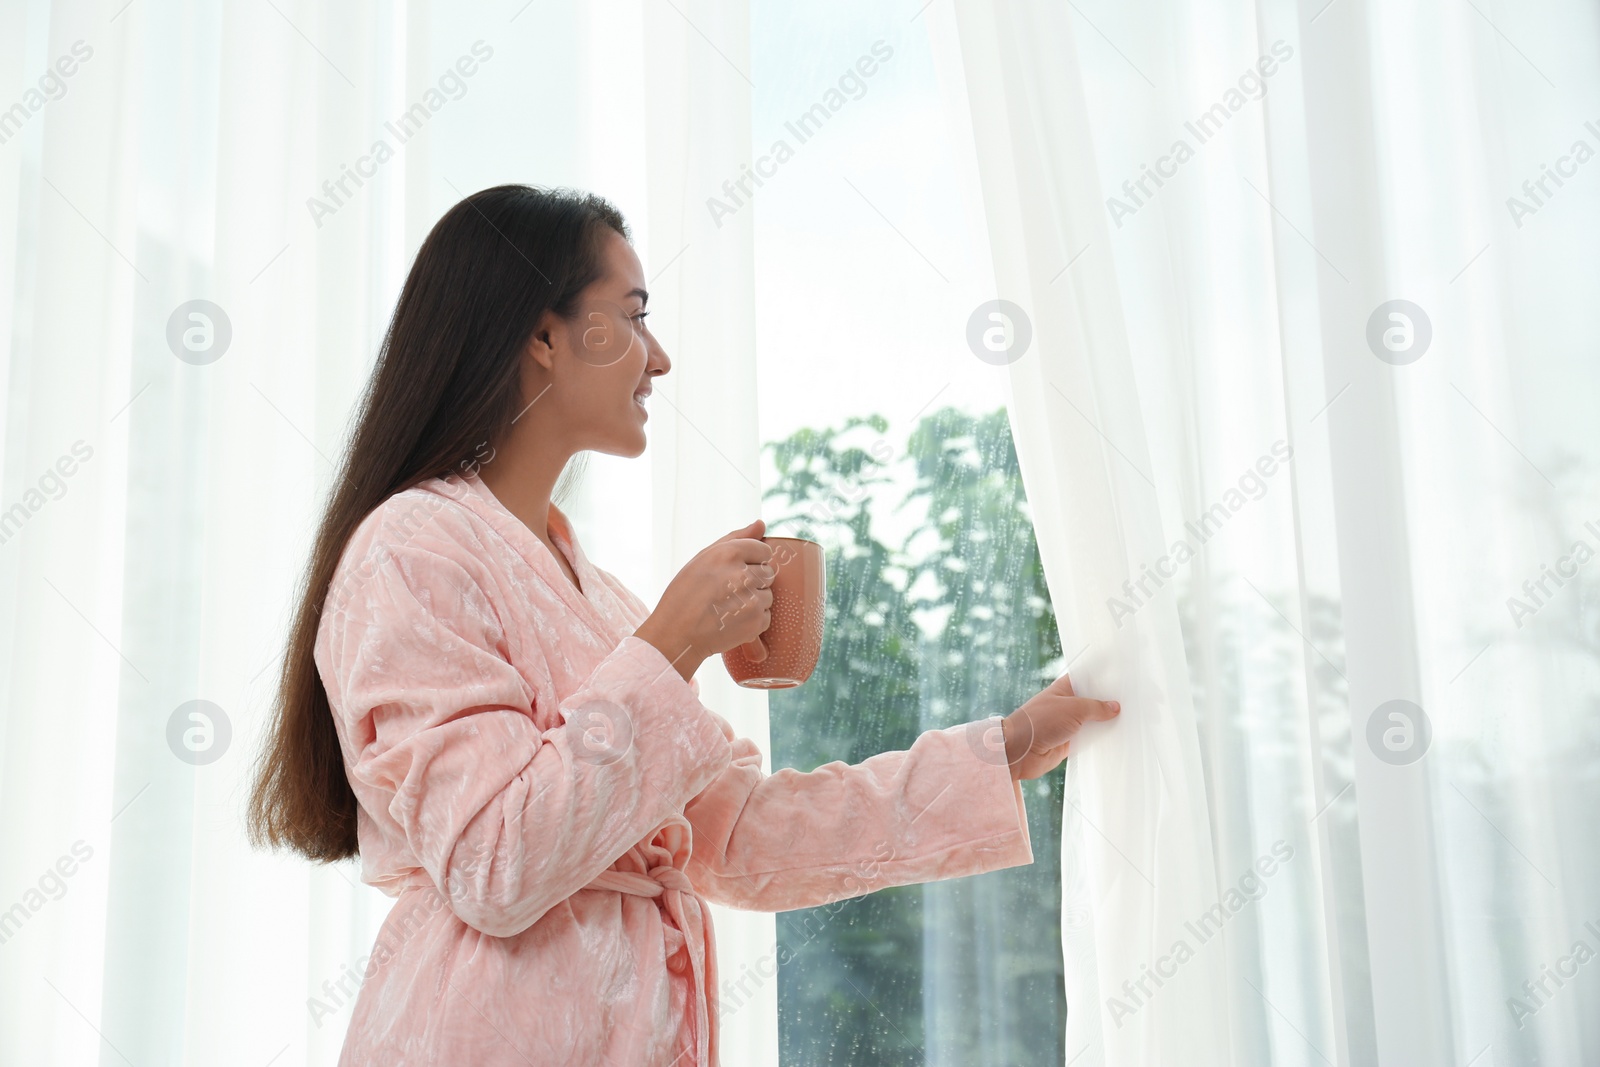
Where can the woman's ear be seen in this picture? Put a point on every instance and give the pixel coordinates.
(544, 339)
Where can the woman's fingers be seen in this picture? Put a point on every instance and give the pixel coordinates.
(753, 552)
(1070, 714)
(1045, 750)
(755, 529)
(1102, 709)
(1041, 761)
(1105, 709)
(1040, 731)
(755, 651)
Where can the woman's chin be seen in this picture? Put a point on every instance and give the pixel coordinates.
(626, 445)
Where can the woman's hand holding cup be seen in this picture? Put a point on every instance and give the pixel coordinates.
(721, 599)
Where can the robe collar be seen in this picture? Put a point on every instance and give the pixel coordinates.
(470, 490)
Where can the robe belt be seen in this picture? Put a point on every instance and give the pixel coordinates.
(657, 882)
(689, 941)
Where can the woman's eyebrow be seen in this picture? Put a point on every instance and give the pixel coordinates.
(644, 297)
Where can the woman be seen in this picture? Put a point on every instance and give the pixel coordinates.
(512, 741)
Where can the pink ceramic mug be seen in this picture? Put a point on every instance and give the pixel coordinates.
(794, 640)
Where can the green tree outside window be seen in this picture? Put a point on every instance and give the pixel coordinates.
(949, 624)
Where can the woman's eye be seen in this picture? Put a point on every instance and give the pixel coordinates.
(641, 316)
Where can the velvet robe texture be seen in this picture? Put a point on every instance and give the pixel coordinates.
(551, 806)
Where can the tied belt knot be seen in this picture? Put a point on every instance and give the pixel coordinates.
(690, 944)
(661, 878)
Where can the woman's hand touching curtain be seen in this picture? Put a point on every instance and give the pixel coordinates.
(1038, 734)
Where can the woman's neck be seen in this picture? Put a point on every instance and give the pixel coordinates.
(523, 483)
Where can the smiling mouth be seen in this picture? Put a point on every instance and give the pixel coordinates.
(639, 399)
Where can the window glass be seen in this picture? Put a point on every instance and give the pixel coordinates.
(886, 440)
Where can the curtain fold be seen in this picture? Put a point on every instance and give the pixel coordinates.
(1304, 423)
(704, 439)
(189, 155)
(1137, 829)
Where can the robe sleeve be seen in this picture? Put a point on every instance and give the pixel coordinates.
(506, 820)
(944, 808)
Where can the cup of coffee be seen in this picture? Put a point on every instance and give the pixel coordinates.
(794, 640)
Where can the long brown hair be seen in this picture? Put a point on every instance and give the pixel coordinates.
(446, 382)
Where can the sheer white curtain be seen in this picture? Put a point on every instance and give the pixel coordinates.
(157, 508)
(704, 435)
(1331, 551)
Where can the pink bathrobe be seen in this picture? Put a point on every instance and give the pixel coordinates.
(552, 806)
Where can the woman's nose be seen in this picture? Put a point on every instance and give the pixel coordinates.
(659, 362)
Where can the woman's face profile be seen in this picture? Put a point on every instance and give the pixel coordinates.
(603, 358)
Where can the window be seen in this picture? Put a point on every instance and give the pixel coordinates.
(944, 624)
(887, 441)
